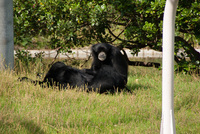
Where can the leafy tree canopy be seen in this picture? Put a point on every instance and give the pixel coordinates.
(132, 24)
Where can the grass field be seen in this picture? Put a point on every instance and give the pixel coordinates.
(25, 108)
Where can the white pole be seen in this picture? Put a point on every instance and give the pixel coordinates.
(168, 121)
(6, 34)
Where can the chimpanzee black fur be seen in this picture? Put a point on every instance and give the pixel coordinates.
(107, 73)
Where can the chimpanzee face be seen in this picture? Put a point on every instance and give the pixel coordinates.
(101, 51)
(102, 56)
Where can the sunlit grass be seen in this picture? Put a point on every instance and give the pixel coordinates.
(25, 108)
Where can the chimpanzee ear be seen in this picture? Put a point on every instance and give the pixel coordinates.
(94, 48)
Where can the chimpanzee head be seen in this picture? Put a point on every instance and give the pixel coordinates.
(101, 51)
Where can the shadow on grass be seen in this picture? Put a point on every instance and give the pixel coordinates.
(12, 126)
(128, 89)
(135, 87)
(32, 127)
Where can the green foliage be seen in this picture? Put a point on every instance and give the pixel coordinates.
(134, 24)
(24, 59)
(64, 23)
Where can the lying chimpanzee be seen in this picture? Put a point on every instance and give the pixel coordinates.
(107, 73)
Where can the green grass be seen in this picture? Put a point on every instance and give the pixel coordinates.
(25, 108)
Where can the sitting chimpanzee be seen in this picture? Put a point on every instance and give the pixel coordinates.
(107, 73)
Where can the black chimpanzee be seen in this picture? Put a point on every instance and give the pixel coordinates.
(107, 73)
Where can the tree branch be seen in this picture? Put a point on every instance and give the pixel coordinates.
(195, 54)
(140, 63)
(121, 31)
(134, 42)
(57, 53)
(86, 60)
